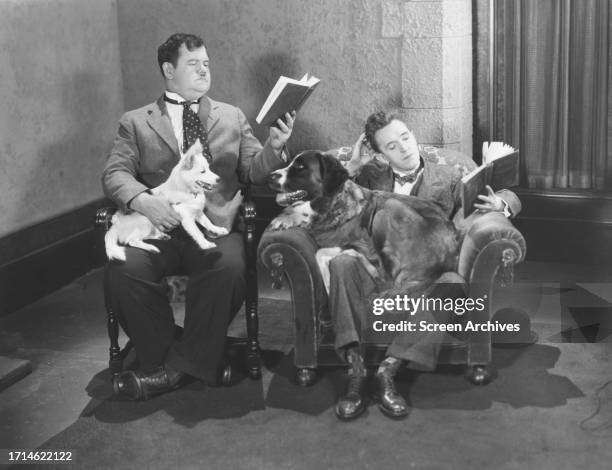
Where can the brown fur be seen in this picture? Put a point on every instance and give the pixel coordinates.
(409, 240)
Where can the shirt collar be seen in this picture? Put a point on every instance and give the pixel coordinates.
(175, 97)
(416, 171)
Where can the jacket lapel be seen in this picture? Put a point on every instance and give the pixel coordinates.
(387, 182)
(159, 120)
(208, 112)
(419, 181)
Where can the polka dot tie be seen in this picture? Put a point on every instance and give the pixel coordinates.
(194, 130)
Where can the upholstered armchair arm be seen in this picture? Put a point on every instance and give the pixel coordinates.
(291, 254)
(483, 232)
(490, 249)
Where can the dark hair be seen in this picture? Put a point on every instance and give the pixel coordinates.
(376, 122)
(169, 50)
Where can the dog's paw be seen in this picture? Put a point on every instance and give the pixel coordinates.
(143, 246)
(299, 215)
(281, 223)
(216, 232)
(206, 245)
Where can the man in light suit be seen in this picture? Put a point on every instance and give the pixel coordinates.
(404, 169)
(148, 145)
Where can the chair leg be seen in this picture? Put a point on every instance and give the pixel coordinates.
(115, 363)
(305, 376)
(253, 359)
(226, 375)
(479, 375)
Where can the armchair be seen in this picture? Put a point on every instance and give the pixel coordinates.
(176, 290)
(490, 248)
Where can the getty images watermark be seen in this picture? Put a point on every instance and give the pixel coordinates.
(458, 306)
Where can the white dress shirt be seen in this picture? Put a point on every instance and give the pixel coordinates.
(175, 111)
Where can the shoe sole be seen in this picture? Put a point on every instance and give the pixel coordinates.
(391, 414)
(350, 417)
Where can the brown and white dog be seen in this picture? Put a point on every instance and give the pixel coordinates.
(185, 190)
(407, 241)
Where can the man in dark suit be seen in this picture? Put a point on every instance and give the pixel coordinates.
(148, 145)
(401, 167)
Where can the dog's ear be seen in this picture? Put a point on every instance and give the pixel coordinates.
(333, 174)
(188, 158)
(188, 161)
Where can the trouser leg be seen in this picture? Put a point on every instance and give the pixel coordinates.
(140, 299)
(350, 287)
(422, 348)
(215, 293)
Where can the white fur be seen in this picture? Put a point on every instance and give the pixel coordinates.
(282, 175)
(184, 189)
(299, 214)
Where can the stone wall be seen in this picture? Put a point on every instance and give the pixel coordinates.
(61, 97)
(411, 56)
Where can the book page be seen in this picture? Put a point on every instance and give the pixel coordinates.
(494, 150)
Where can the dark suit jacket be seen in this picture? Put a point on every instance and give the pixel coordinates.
(145, 151)
(438, 182)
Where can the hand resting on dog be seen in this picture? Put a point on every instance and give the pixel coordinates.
(157, 209)
(180, 199)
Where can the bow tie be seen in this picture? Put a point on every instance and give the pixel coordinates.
(408, 178)
(180, 103)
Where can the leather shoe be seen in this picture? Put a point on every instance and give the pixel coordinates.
(352, 404)
(141, 386)
(391, 403)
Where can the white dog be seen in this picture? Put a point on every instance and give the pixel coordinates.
(184, 189)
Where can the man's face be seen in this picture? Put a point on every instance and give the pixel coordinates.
(398, 146)
(191, 76)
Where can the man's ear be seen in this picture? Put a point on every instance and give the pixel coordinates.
(168, 70)
(333, 174)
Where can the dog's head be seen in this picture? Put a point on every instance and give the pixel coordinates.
(194, 170)
(316, 173)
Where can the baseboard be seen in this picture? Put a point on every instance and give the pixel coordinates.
(42, 258)
(564, 227)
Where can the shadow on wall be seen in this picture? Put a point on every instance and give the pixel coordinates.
(263, 76)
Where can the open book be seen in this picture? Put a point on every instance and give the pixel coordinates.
(286, 96)
(499, 169)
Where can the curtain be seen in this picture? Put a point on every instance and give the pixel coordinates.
(551, 69)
